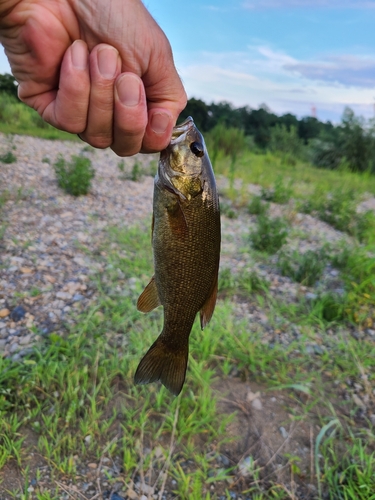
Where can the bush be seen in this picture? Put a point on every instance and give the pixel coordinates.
(74, 177)
(286, 141)
(304, 268)
(8, 157)
(257, 206)
(280, 193)
(270, 234)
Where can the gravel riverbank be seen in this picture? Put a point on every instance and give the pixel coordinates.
(44, 272)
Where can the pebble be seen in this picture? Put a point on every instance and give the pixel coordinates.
(245, 466)
(92, 465)
(2, 325)
(18, 313)
(3, 343)
(4, 313)
(283, 432)
(257, 404)
(25, 340)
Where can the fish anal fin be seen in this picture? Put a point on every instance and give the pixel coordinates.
(209, 306)
(149, 298)
(177, 220)
(161, 363)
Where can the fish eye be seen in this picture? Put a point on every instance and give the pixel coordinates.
(197, 148)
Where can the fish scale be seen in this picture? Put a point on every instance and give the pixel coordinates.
(186, 246)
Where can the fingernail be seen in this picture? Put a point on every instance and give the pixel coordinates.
(107, 62)
(79, 55)
(128, 89)
(160, 122)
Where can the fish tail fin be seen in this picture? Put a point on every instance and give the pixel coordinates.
(161, 363)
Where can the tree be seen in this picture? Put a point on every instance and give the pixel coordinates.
(8, 84)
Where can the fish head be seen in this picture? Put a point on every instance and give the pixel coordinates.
(182, 162)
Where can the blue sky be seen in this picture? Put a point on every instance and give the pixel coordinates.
(292, 55)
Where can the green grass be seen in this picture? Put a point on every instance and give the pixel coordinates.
(17, 118)
(74, 396)
(266, 169)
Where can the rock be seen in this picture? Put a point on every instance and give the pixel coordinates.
(49, 278)
(311, 296)
(370, 332)
(26, 270)
(283, 432)
(145, 488)
(2, 325)
(18, 313)
(3, 343)
(92, 466)
(245, 466)
(77, 297)
(131, 494)
(25, 340)
(358, 401)
(257, 404)
(4, 313)
(63, 295)
(14, 347)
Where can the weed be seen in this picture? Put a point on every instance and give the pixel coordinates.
(251, 281)
(281, 192)
(228, 210)
(45, 159)
(136, 172)
(8, 157)
(270, 234)
(306, 268)
(121, 166)
(257, 206)
(74, 177)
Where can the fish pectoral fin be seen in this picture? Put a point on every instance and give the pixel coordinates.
(209, 306)
(161, 363)
(177, 220)
(149, 298)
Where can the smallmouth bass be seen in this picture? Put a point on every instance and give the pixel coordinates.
(186, 247)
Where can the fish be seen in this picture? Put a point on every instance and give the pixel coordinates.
(186, 240)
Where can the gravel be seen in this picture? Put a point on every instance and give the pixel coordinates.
(45, 276)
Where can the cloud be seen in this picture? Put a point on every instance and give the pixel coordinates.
(345, 69)
(331, 4)
(287, 84)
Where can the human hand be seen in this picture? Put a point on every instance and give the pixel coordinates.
(115, 85)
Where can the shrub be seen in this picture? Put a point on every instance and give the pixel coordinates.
(270, 235)
(8, 157)
(228, 210)
(285, 140)
(257, 206)
(74, 177)
(280, 193)
(304, 268)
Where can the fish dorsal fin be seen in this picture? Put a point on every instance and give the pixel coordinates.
(209, 306)
(149, 298)
(177, 220)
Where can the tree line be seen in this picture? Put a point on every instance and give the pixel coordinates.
(351, 143)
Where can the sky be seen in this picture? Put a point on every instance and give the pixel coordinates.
(297, 56)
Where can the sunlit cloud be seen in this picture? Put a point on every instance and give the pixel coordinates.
(262, 74)
(345, 69)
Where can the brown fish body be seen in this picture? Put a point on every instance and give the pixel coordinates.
(186, 245)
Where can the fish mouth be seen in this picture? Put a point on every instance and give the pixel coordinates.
(179, 132)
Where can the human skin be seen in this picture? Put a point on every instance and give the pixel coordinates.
(102, 69)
